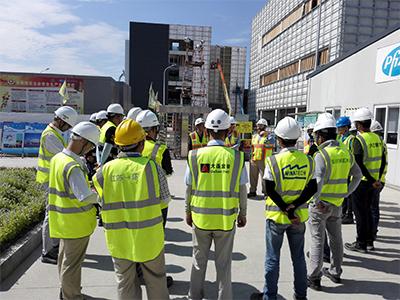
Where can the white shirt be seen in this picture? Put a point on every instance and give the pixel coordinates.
(52, 143)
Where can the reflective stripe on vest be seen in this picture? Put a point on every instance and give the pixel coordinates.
(154, 150)
(103, 130)
(131, 213)
(338, 162)
(198, 143)
(373, 149)
(69, 218)
(216, 175)
(292, 170)
(42, 175)
(260, 151)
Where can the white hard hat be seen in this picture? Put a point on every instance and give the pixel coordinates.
(262, 121)
(88, 131)
(218, 120)
(101, 115)
(232, 120)
(115, 108)
(133, 113)
(288, 129)
(67, 114)
(325, 121)
(353, 127)
(199, 121)
(147, 119)
(310, 126)
(362, 114)
(93, 117)
(376, 126)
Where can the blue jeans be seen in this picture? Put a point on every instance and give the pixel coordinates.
(274, 237)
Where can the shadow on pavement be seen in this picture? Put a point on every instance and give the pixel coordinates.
(394, 225)
(257, 198)
(20, 270)
(387, 290)
(387, 203)
(240, 290)
(177, 198)
(187, 251)
(177, 235)
(174, 269)
(388, 267)
(174, 220)
(99, 262)
(94, 298)
(392, 209)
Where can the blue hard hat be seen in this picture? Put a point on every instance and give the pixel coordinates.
(343, 121)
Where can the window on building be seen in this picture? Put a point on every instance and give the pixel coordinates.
(307, 63)
(289, 70)
(175, 46)
(334, 111)
(323, 57)
(268, 78)
(388, 116)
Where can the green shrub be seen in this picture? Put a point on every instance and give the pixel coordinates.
(22, 204)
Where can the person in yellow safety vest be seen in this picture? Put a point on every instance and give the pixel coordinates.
(101, 118)
(51, 143)
(261, 148)
(369, 153)
(290, 183)
(334, 165)
(310, 148)
(215, 200)
(198, 138)
(132, 216)
(233, 138)
(106, 150)
(377, 128)
(72, 215)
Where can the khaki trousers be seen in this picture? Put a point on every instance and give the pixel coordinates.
(153, 274)
(256, 168)
(70, 257)
(223, 241)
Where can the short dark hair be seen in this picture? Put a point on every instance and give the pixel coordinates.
(365, 124)
(287, 143)
(327, 134)
(217, 135)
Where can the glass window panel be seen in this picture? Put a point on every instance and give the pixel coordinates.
(393, 125)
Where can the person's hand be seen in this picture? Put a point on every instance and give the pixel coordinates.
(289, 207)
(321, 207)
(295, 220)
(189, 220)
(377, 185)
(241, 221)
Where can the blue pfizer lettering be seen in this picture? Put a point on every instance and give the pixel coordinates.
(391, 64)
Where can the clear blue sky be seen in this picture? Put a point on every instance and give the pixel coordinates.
(87, 36)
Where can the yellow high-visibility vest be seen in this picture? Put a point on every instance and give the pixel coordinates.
(69, 218)
(292, 170)
(103, 130)
(131, 212)
(154, 150)
(338, 162)
(42, 175)
(216, 173)
(197, 142)
(260, 151)
(232, 140)
(372, 146)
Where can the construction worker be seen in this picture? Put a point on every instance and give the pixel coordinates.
(92, 118)
(233, 139)
(132, 216)
(370, 156)
(310, 148)
(377, 128)
(101, 118)
(51, 143)
(334, 164)
(198, 138)
(106, 149)
(133, 113)
(215, 194)
(290, 184)
(72, 216)
(261, 148)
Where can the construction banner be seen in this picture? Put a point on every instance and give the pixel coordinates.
(244, 127)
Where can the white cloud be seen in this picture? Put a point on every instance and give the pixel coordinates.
(237, 40)
(46, 33)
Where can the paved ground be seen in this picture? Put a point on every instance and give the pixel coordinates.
(368, 276)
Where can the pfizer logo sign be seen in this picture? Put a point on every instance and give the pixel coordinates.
(391, 65)
(388, 64)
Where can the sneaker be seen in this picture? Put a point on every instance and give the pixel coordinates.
(60, 296)
(355, 247)
(257, 296)
(370, 246)
(314, 284)
(334, 278)
(347, 220)
(170, 281)
(251, 195)
(295, 297)
(326, 259)
(48, 259)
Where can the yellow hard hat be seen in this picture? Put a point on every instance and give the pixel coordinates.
(128, 133)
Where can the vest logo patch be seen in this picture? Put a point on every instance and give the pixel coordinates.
(205, 168)
(215, 168)
(294, 172)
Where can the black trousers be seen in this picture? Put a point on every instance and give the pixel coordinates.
(347, 207)
(362, 201)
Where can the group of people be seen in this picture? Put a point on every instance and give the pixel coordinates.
(128, 181)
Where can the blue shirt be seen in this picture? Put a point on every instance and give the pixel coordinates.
(188, 175)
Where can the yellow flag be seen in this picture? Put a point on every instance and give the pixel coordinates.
(63, 92)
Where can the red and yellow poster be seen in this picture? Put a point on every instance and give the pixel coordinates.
(38, 94)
